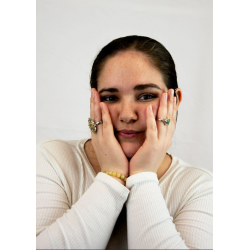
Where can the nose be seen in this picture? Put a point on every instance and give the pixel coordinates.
(127, 112)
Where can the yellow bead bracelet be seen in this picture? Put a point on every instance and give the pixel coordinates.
(122, 177)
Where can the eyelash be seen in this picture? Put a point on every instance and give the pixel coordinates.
(113, 98)
(104, 98)
(152, 96)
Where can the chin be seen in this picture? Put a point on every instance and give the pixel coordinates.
(130, 149)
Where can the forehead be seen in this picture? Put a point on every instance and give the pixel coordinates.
(127, 69)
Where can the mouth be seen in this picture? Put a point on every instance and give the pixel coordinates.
(128, 133)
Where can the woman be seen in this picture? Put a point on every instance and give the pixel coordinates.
(121, 189)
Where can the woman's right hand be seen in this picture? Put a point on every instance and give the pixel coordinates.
(108, 151)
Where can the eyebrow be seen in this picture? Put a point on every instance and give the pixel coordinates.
(112, 90)
(145, 86)
(137, 87)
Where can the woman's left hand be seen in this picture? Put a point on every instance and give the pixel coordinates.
(158, 136)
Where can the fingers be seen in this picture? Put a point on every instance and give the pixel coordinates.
(151, 133)
(99, 112)
(95, 110)
(172, 109)
(167, 110)
(175, 108)
(92, 104)
(107, 126)
(170, 103)
(162, 111)
(162, 114)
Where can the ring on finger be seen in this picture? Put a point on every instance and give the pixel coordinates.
(165, 121)
(93, 125)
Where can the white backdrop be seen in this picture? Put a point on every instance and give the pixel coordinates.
(71, 32)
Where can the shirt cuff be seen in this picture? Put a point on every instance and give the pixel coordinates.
(141, 178)
(110, 181)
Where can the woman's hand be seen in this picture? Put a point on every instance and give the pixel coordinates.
(158, 136)
(108, 151)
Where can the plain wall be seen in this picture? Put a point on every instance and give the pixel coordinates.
(70, 33)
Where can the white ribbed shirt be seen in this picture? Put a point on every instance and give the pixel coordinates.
(77, 209)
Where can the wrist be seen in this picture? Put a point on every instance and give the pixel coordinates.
(114, 171)
(134, 172)
(119, 177)
(139, 171)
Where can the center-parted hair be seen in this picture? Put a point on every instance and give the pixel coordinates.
(155, 51)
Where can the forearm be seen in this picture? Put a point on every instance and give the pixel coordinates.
(149, 222)
(90, 221)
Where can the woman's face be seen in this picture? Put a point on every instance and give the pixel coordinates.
(128, 83)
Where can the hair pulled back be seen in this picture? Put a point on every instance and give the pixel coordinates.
(156, 52)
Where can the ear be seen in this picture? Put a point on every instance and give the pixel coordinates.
(178, 97)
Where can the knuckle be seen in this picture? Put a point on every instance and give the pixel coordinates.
(105, 124)
(153, 127)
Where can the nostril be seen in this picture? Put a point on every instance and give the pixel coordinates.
(128, 119)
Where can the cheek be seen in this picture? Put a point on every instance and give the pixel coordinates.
(113, 113)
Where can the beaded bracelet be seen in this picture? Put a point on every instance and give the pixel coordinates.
(116, 175)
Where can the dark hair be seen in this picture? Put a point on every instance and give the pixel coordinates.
(156, 52)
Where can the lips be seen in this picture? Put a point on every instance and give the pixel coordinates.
(128, 133)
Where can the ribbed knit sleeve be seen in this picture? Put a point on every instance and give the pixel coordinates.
(88, 223)
(150, 225)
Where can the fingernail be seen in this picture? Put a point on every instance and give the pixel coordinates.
(166, 96)
(172, 92)
(150, 107)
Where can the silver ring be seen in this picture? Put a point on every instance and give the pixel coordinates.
(165, 121)
(93, 125)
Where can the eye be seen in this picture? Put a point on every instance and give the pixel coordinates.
(110, 98)
(147, 96)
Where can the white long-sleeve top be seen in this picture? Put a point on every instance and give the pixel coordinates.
(77, 209)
